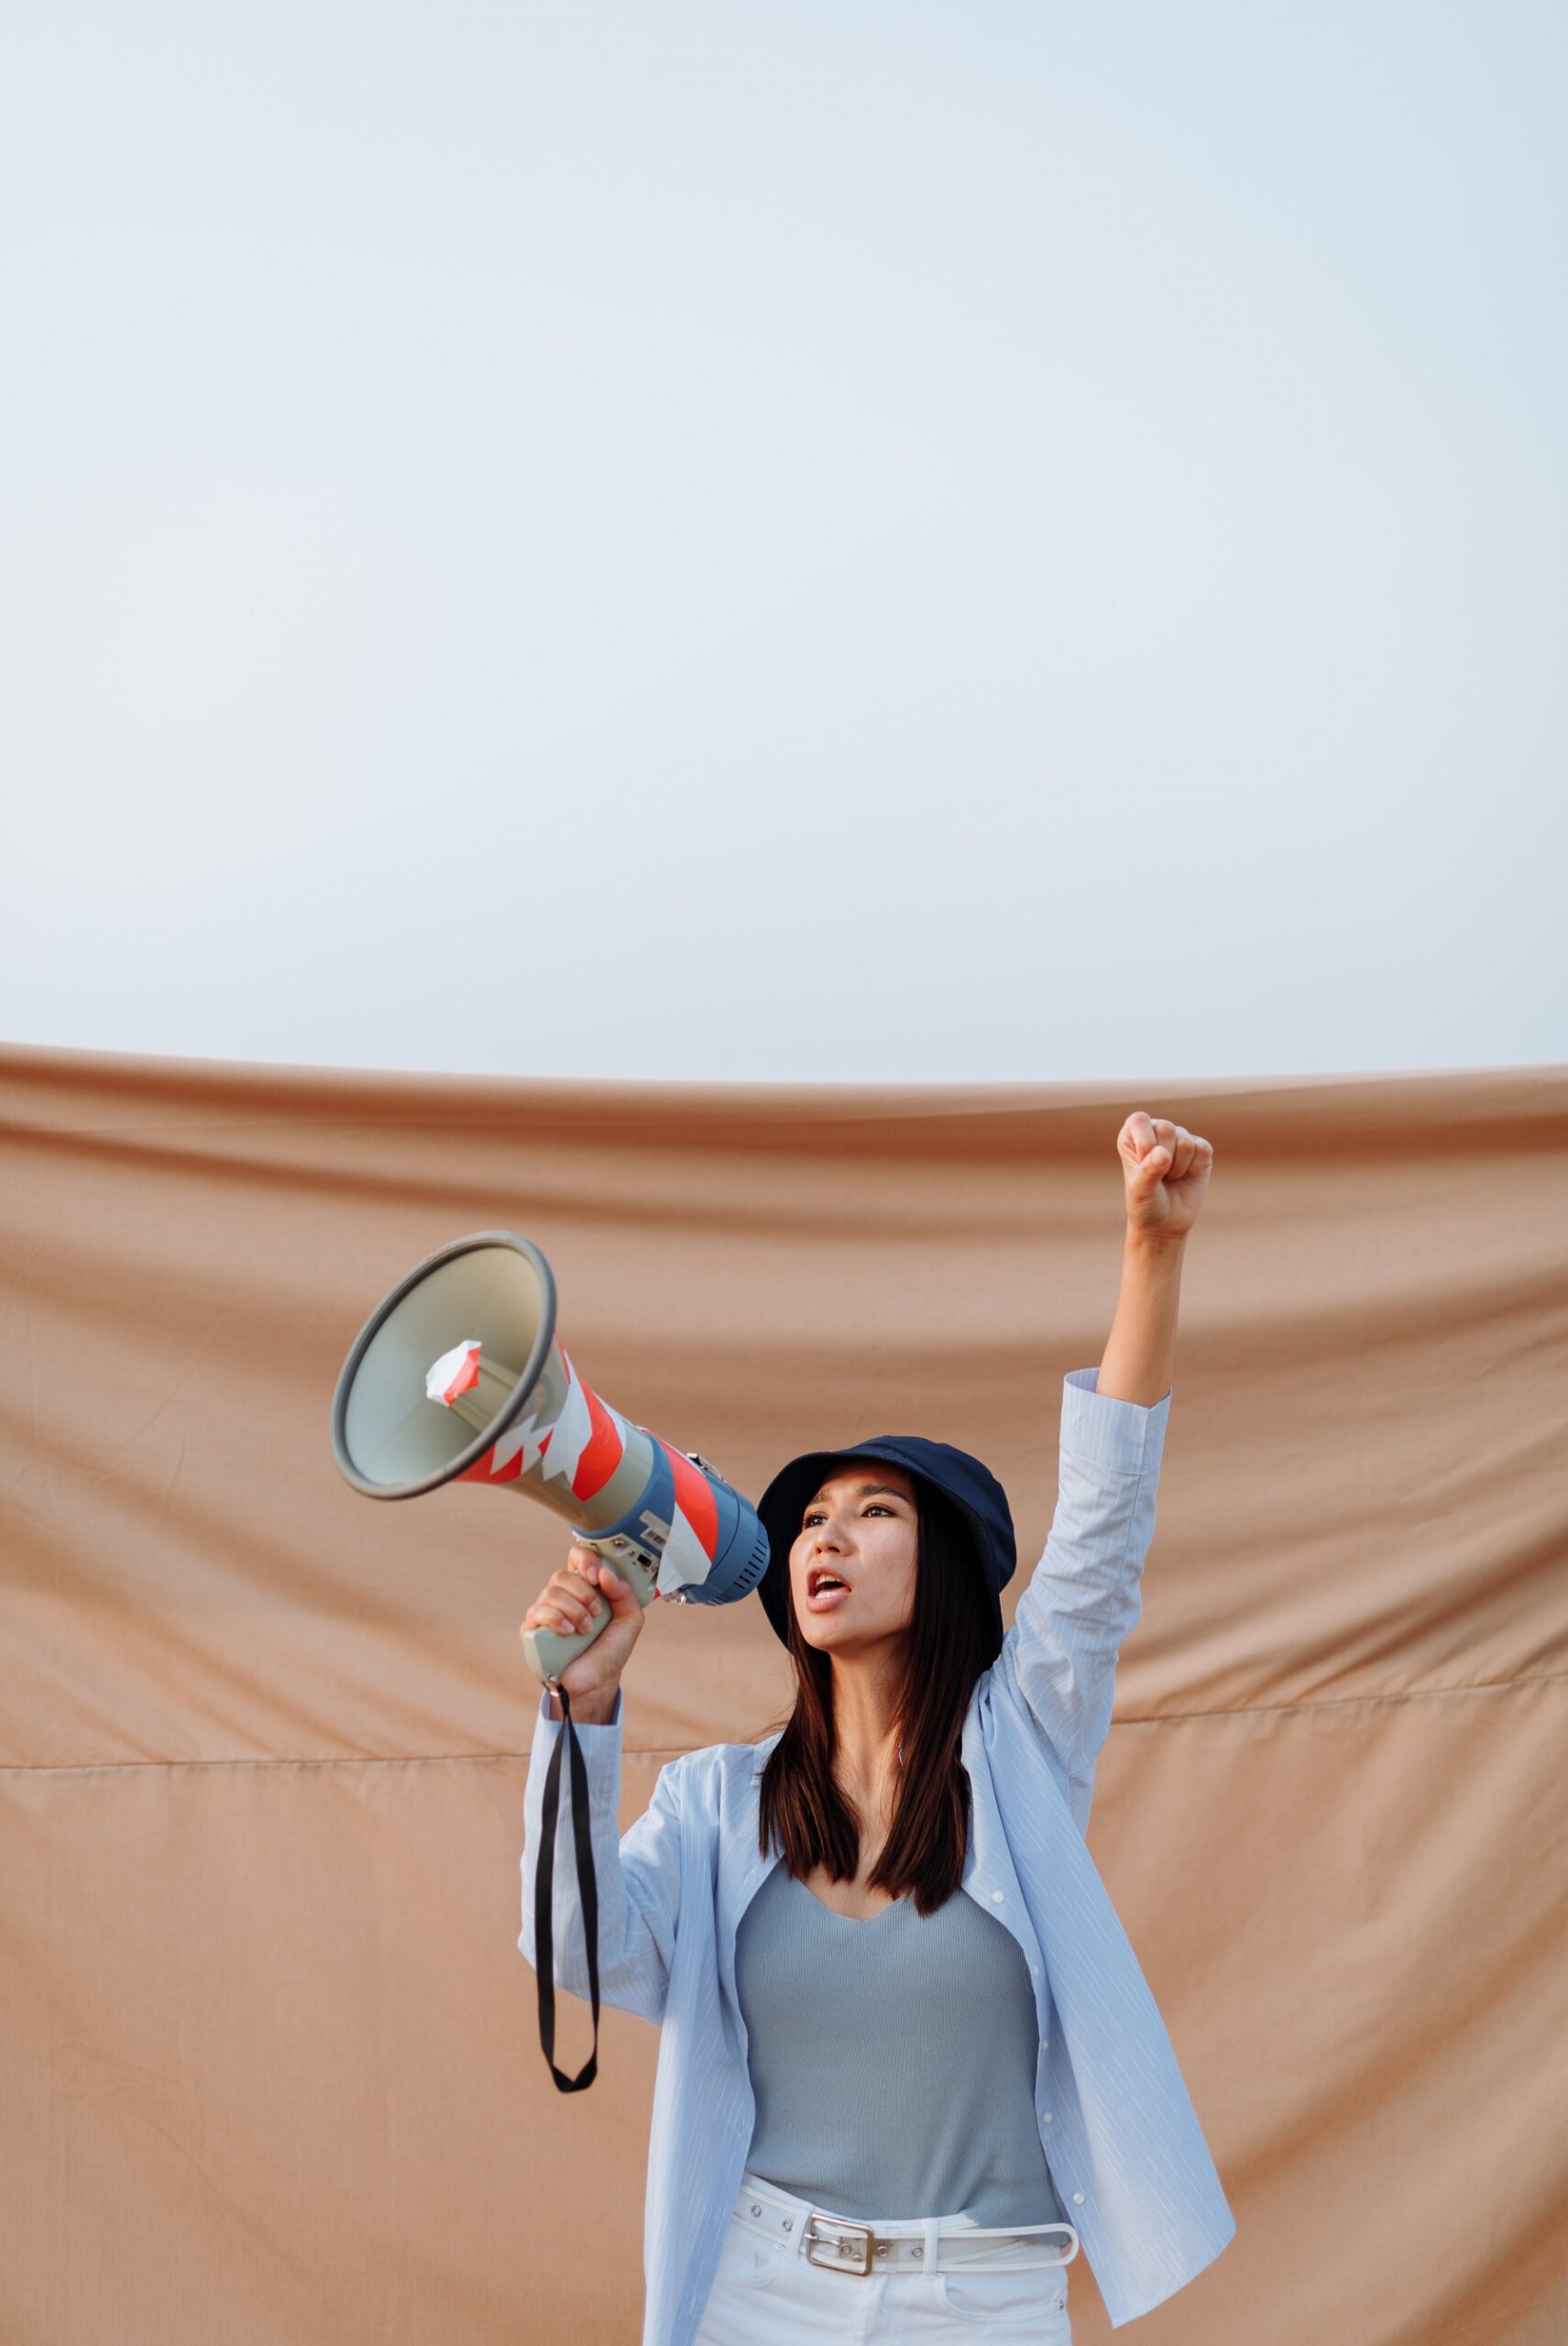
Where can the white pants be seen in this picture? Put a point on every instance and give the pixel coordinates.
(766, 2293)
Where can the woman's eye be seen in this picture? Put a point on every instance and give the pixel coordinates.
(819, 1515)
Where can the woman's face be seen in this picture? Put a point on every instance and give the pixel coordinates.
(852, 1568)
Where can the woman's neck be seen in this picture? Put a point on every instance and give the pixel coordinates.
(865, 1728)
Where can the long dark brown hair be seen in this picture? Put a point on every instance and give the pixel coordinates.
(952, 1638)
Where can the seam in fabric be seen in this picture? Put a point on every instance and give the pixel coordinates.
(1342, 1701)
(679, 1750)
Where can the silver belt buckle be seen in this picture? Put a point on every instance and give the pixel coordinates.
(845, 2251)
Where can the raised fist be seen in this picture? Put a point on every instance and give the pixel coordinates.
(1165, 1171)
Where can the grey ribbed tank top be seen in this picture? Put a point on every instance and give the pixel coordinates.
(892, 2059)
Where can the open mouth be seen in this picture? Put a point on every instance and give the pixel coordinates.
(825, 1587)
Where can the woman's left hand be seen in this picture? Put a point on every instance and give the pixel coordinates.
(1165, 1171)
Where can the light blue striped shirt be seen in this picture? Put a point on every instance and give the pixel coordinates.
(1124, 2148)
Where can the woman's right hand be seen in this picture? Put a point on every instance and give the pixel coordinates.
(570, 1602)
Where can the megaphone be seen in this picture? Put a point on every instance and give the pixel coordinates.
(459, 1376)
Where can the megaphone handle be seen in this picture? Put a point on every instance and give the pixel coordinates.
(547, 1653)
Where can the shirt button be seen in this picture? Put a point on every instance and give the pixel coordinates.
(1050, 2117)
(1077, 2199)
(1036, 1970)
(996, 1898)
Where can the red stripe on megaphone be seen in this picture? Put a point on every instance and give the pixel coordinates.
(602, 1451)
(694, 1496)
(485, 1470)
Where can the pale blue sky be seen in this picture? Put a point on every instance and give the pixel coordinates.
(852, 541)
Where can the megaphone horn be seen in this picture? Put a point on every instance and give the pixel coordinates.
(459, 1376)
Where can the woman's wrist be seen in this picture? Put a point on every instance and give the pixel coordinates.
(1152, 1244)
(589, 1710)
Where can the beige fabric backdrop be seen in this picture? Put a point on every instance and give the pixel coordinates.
(271, 2069)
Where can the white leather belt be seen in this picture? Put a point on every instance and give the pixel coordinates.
(839, 2244)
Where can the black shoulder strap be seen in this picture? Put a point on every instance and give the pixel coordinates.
(587, 1895)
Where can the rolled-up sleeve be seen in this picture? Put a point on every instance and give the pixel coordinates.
(1059, 1660)
(638, 1874)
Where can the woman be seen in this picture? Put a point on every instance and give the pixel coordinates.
(908, 2061)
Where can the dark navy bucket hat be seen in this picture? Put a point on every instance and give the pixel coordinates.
(972, 1489)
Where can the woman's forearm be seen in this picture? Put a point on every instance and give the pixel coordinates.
(1139, 1359)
